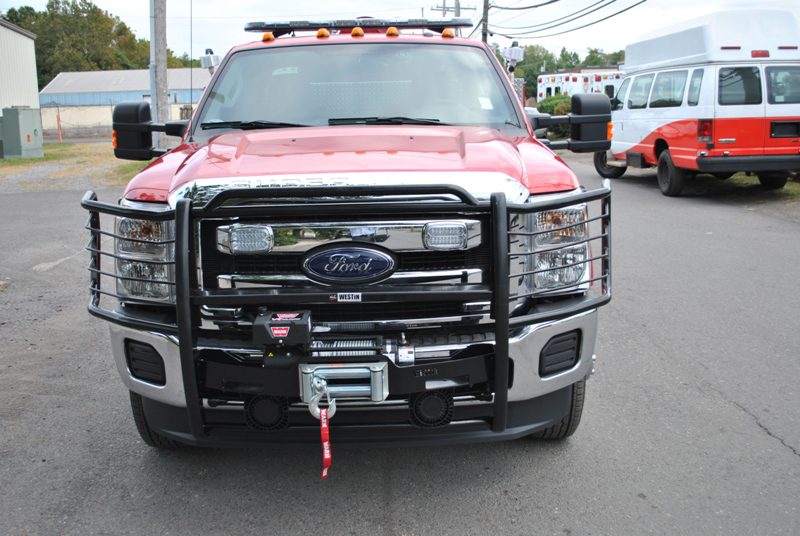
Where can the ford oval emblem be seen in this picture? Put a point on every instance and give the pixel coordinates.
(348, 265)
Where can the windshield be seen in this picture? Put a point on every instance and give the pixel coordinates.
(348, 83)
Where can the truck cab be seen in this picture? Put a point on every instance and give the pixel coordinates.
(357, 227)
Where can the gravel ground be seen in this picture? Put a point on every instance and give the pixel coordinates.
(72, 166)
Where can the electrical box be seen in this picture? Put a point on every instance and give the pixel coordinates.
(22, 133)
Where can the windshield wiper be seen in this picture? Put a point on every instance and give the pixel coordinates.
(248, 125)
(384, 120)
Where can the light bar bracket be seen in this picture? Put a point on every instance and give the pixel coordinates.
(282, 28)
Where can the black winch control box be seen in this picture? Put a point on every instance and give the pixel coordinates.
(283, 329)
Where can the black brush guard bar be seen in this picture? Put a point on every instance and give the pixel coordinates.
(189, 298)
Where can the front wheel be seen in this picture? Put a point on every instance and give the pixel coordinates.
(567, 426)
(604, 170)
(773, 180)
(670, 177)
(148, 435)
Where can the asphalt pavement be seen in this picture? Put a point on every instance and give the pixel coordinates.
(691, 424)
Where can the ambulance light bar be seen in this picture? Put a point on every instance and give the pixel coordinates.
(283, 28)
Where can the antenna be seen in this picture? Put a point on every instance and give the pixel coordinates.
(191, 60)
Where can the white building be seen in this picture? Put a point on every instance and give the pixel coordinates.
(18, 84)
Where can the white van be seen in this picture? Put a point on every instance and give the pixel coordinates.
(718, 95)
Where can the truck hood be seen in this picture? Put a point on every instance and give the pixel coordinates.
(480, 160)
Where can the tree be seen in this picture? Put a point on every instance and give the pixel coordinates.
(568, 60)
(595, 58)
(76, 35)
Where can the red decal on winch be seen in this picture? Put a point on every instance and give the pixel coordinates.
(279, 332)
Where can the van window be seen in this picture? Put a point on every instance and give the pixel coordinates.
(668, 89)
(739, 85)
(616, 102)
(639, 91)
(783, 85)
(694, 87)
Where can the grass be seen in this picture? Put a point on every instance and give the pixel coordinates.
(123, 173)
(790, 192)
(63, 160)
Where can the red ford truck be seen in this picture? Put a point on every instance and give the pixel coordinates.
(358, 225)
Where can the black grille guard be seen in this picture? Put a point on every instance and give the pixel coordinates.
(445, 199)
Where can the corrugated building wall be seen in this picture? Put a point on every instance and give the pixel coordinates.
(18, 84)
(83, 101)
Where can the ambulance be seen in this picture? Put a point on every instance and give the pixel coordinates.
(718, 95)
(580, 81)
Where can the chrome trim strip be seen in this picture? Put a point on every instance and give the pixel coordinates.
(393, 235)
(481, 184)
(463, 276)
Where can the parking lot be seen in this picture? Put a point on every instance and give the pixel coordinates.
(690, 425)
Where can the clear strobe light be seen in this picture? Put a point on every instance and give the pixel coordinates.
(245, 239)
(445, 235)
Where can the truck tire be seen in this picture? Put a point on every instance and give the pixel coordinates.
(670, 178)
(150, 437)
(604, 170)
(773, 180)
(566, 426)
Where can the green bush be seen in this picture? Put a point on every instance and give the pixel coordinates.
(548, 105)
(557, 105)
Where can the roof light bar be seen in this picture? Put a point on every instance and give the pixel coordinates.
(285, 27)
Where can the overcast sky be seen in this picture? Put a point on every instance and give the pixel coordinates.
(218, 24)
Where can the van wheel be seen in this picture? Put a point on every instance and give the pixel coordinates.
(567, 426)
(723, 176)
(149, 436)
(773, 180)
(604, 170)
(670, 178)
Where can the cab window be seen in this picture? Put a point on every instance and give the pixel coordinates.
(783, 85)
(739, 85)
(694, 87)
(639, 91)
(668, 89)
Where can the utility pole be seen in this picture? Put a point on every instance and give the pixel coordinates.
(445, 9)
(485, 22)
(158, 64)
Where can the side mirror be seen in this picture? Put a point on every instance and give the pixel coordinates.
(133, 131)
(588, 124)
(591, 113)
(538, 121)
(615, 103)
(133, 139)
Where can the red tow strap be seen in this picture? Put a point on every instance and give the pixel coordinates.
(324, 434)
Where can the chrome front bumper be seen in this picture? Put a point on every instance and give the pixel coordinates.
(524, 350)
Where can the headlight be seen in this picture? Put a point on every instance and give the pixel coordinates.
(145, 252)
(561, 253)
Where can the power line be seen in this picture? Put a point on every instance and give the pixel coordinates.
(475, 29)
(525, 7)
(554, 20)
(526, 36)
(608, 3)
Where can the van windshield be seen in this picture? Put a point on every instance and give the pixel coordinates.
(358, 84)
